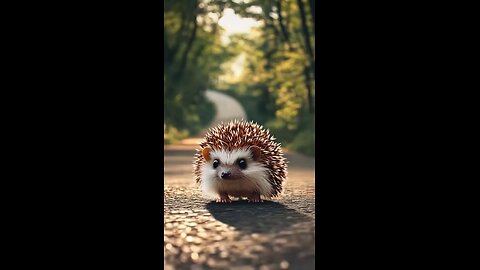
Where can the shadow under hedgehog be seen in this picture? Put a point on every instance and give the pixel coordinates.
(240, 159)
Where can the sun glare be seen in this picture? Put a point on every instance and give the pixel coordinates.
(232, 23)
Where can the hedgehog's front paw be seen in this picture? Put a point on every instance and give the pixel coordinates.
(255, 198)
(223, 199)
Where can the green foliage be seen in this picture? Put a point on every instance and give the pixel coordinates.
(277, 86)
(304, 143)
(171, 134)
(206, 115)
(301, 139)
(192, 51)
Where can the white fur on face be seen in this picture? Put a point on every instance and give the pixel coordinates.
(254, 180)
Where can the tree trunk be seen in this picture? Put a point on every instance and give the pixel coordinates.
(183, 60)
(306, 35)
(312, 11)
(280, 20)
(198, 53)
(166, 50)
(270, 22)
(185, 16)
(306, 72)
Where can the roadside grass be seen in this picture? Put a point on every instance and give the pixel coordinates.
(201, 119)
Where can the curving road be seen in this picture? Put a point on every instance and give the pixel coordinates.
(227, 107)
(199, 234)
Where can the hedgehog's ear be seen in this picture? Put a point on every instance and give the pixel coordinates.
(206, 153)
(256, 152)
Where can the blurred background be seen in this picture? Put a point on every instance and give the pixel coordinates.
(262, 53)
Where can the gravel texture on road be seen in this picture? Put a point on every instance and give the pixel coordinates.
(202, 234)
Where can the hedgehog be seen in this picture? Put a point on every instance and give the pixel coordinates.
(240, 159)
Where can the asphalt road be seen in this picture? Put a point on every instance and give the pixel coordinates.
(201, 234)
(229, 107)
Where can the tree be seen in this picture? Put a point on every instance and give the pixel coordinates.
(279, 74)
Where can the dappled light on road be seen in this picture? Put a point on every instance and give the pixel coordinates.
(199, 232)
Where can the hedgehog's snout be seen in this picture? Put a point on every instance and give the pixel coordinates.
(225, 174)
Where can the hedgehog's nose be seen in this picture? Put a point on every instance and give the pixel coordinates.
(226, 174)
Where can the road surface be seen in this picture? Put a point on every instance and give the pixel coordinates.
(201, 234)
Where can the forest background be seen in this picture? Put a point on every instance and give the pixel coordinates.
(261, 52)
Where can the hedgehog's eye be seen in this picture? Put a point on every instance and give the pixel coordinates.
(242, 163)
(215, 163)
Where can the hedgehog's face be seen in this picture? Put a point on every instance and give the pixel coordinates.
(238, 172)
(233, 165)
